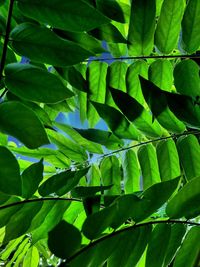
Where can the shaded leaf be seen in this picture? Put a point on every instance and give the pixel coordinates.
(61, 183)
(87, 191)
(10, 179)
(64, 239)
(31, 178)
(35, 84)
(188, 254)
(64, 15)
(14, 117)
(186, 202)
(42, 45)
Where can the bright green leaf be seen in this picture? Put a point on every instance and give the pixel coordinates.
(32, 258)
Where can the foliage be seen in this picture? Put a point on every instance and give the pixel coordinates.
(125, 196)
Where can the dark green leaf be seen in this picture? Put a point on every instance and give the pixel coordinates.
(186, 202)
(189, 83)
(111, 9)
(102, 137)
(136, 113)
(158, 103)
(176, 236)
(61, 183)
(168, 160)
(6, 213)
(10, 179)
(87, 191)
(189, 153)
(20, 221)
(188, 254)
(131, 172)
(190, 27)
(141, 27)
(108, 33)
(21, 122)
(149, 165)
(111, 175)
(64, 239)
(42, 45)
(156, 250)
(117, 122)
(169, 25)
(35, 84)
(31, 178)
(96, 223)
(74, 15)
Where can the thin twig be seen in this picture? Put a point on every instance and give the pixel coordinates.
(38, 200)
(143, 57)
(84, 249)
(6, 40)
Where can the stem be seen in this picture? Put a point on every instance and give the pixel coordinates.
(6, 40)
(38, 200)
(124, 230)
(144, 57)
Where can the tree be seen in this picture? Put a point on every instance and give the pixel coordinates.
(125, 196)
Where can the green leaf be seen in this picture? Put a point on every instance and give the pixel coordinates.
(35, 84)
(186, 202)
(64, 239)
(20, 221)
(189, 84)
(6, 213)
(117, 122)
(18, 120)
(156, 250)
(102, 137)
(87, 191)
(176, 236)
(169, 25)
(111, 9)
(141, 27)
(188, 254)
(10, 56)
(168, 160)
(117, 75)
(190, 27)
(149, 165)
(42, 45)
(63, 15)
(10, 182)
(94, 176)
(111, 175)
(32, 258)
(49, 220)
(97, 88)
(131, 172)
(139, 67)
(61, 183)
(158, 103)
(96, 223)
(76, 136)
(161, 74)
(69, 148)
(189, 153)
(139, 116)
(31, 178)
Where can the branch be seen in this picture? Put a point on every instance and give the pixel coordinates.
(38, 200)
(92, 244)
(143, 57)
(6, 40)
